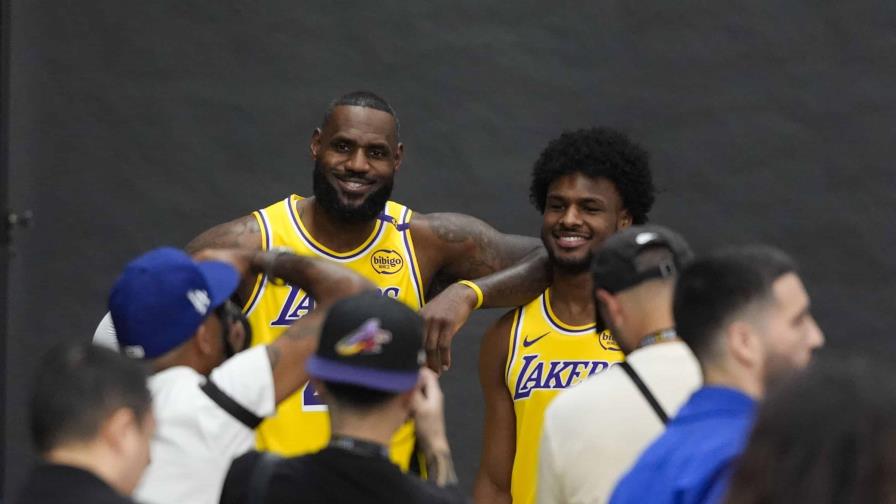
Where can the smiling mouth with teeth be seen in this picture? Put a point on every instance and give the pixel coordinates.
(570, 240)
(353, 184)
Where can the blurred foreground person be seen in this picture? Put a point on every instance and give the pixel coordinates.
(745, 314)
(91, 421)
(368, 371)
(828, 437)
(634, 275)
(208, 395)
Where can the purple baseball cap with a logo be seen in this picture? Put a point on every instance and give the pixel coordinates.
(370, 341)
(163, 296)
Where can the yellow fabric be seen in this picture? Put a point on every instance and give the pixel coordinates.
(545, 356)
(386, 258)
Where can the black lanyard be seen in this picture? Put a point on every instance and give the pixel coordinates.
(360, 447)
(650, 339)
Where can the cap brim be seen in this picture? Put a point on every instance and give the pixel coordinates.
(377, 379)
(222, 279)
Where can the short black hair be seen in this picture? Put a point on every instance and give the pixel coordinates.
(826, 435)
(77, 386)
(357, 398)
(366, 99)
(718, 286)
(597, 152)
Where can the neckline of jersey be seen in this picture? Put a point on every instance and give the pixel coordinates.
(309, 239)
(559, 324)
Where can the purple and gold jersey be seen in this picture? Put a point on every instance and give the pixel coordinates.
(386, 258)
(546, 356)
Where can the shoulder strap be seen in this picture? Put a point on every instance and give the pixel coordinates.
(235, 409)
(648, 395)
(261, 477)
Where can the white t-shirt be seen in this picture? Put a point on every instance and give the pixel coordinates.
(594, 432)
(195, 439)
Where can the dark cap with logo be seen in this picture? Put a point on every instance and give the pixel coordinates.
(614, 267)
(370, 341)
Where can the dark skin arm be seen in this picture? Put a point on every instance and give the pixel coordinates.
(509, 269)
(499, 437)
(326, 281)
(242, 233)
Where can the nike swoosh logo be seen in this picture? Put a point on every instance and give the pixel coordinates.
(527, 342)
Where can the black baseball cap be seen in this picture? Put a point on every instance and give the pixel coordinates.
(371, 341)
(613, 267)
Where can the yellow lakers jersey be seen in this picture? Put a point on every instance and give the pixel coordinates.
(544, 357)
(386, 258)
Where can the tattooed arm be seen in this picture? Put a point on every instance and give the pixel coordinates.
(509, 269)
(242, 233)
(458, 246)
(326, 281)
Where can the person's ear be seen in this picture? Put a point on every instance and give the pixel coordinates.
(744, 344)
(315, 143)
(116, 428)
(610, 308)
(204, 339)
(406, 399)
(399, 156)
(625, 219)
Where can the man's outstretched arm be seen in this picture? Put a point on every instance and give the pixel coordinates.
(508, 270)
(325, 280)
(241, 233)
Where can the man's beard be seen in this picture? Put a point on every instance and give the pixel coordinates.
(777, 371)
(568, 266)
(328, 198)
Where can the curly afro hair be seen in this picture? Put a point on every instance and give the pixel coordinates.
(597, 152)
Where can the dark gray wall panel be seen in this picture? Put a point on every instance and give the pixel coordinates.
(136, 124)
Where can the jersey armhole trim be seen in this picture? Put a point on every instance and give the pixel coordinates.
(412, 257)
(513, 339)
(261, 281)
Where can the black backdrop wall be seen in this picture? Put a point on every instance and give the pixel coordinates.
(135, 124)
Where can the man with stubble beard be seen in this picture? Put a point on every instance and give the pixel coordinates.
(745, 314)
(588, 184)
(350, 220)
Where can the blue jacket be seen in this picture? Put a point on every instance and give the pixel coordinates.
(690, 462)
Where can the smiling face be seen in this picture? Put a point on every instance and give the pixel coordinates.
(356, 154)
(580, 212)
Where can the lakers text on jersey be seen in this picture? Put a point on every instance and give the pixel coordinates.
(546, 356)
(386, 258)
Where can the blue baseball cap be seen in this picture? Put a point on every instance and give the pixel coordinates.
(163, 296)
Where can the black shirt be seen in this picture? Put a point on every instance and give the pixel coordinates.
(335, 475)
(59, 484)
